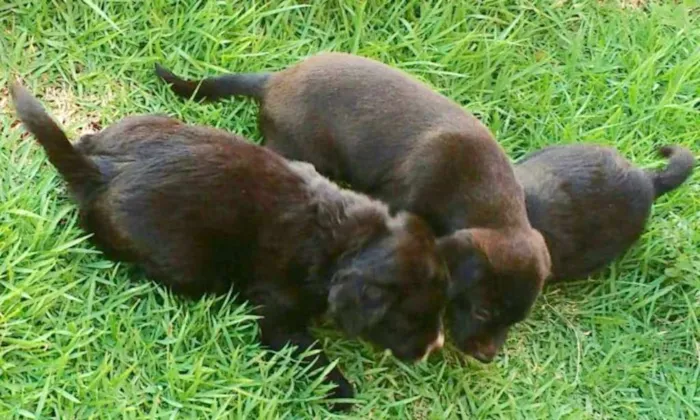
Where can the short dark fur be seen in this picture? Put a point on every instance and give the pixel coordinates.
(394, 138)
(591, 204)
(201, 210)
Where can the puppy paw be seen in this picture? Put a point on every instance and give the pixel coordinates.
(344, 389)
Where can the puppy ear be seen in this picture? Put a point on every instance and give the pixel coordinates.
(455, 248)
(449, 246)
(464, 261)
(357, 231)
(355, 306)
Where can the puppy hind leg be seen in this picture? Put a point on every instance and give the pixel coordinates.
(183, 280)
(186, 269)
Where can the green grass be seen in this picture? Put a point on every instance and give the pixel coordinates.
(77, 339)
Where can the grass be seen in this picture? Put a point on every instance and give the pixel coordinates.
(78, 340)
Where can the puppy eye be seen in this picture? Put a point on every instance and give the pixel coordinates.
(372, 293)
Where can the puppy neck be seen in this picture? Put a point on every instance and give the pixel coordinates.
(346, 220)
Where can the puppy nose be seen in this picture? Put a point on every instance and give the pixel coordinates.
(485, 353)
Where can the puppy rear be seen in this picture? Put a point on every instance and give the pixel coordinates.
(80, 172)
(680, 166)
(591, 204)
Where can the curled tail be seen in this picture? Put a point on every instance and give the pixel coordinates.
(80, 172)
(215, 88)
(680, 166)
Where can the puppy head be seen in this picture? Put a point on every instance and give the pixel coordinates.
(391, 289)
(495, 278)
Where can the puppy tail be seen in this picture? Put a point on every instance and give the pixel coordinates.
(216, 88)
(680, 166)
(80, 172)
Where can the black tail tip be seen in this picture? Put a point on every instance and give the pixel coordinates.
(667, 150)
(161, 71)
(23, 100)
(17, 90)
(678, 153)
(165, 74)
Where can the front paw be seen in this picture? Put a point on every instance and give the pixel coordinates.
(345, 390)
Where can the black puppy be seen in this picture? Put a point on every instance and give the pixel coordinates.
(201, 210)
(392, 137)
(591, 204)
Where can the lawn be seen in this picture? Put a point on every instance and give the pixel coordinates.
(78, 339)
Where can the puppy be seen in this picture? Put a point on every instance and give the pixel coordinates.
(591, 204)
(201, 211)
(392, 137)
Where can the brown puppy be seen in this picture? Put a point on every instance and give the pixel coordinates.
(201, 210)
(392, 137)
(591, 204)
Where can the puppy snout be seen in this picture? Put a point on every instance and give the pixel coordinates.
(485, 353)
(483, 357)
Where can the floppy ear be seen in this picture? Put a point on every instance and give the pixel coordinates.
(356, 232)
(449, 247)
(356, 306)
(463, 259)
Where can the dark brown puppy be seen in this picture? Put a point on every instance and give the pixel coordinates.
(201, 210)
(591, 204)
(394, 138)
